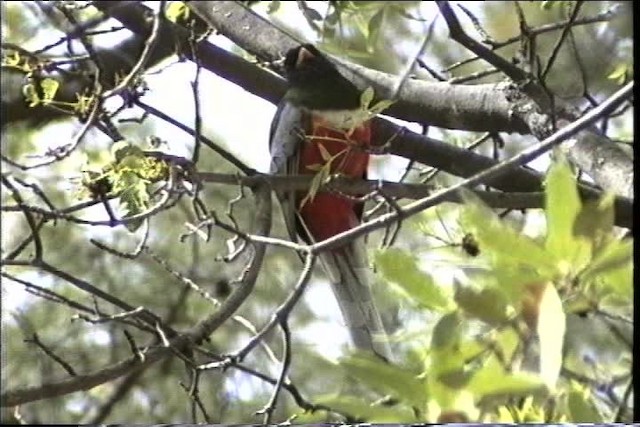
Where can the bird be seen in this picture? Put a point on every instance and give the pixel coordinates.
(319, 125)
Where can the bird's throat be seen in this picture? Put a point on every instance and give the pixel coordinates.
(340, 119)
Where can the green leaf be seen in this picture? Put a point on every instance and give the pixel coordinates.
(449, 354)
(366, 97)
(387, 379)
(446, 333)
(507, 342)
(317, 182)
(595, 220)
(375, 24)
(503, 244)
(361, 409)
(551, 327)
(274, 6)
(489, 304)
(581, 406)
(30, 95)
(562, 206)
(177, 12)
(401, 269)
(380, 106)
(620, 74)
(49, 89)
(616, 254)
(493, 380)
(123, 148)
(324, 153)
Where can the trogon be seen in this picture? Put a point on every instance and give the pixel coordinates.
(317, 126)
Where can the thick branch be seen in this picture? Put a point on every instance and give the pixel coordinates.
(354, 187)
(478, 107)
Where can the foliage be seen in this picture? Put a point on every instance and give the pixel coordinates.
(471, 365)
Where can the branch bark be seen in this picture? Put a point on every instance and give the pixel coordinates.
(493, 108)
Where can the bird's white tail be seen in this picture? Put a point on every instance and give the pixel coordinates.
(347, 270)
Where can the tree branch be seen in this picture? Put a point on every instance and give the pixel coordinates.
(194, 335)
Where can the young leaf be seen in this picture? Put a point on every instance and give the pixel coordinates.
(493, 380)
(580, 405)
(619, 74)
(503, 244)
(366, 97)
(595, 221)
(375, 25)
(562, 206)
(324, 153)
(387, 379)
(489, 304)
(361, 409)
(49, 89)
(616, 254)
(551, 327)
(401, 269)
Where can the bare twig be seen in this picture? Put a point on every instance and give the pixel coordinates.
(132, 345)
(458, 34)
(409, 67)
(35, 230)
(601, 17)
(47, 294)
(268, 409)
(144, 56)
(127, 255)
(66, 366)
(118, 316)
(195, 86)
(206, 141)
(281, 313)
(194, 395)
(563, 36)
(622, 408)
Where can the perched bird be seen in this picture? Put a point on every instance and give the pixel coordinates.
(319, 124)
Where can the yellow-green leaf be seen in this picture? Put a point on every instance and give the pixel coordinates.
(489, 304)
(619, 74)
(503, 244)
(385, 378)
(595, 220)
(359, 408)
(324, 153)
(49, 89)
(580, 405)
(562, 206)
(401, 269)
(366, 97)
(551, 327)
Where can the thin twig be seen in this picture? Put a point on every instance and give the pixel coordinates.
(286, 362)
(28, 216)
(66, 366)
(144, 56)
(280, 313)
(563, 36)
(206, 141)
(195, 87)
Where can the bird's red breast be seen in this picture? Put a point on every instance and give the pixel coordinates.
(329, 214)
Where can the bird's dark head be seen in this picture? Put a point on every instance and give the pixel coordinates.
(316, 82)
(306, 64)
